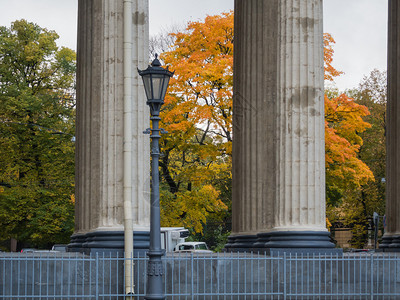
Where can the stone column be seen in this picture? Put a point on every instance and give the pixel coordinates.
(300, 200)
(278, 151)
(254, 185)
(99, 216)
(391, 238)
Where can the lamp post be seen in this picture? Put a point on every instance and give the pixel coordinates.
(155, 80)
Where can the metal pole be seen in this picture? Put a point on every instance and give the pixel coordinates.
(155, 267)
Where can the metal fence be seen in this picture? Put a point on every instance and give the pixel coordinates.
(215, 276)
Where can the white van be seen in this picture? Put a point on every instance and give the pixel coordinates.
(198, 247)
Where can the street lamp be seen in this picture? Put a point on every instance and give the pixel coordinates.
(155, 80)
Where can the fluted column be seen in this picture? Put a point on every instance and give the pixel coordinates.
(254, 120)
(100, 164)
(278, 146)
(391, 238)
(300, 201)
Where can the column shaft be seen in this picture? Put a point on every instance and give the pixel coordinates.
(391, 238)
(100, 122)
(278, 146)
(254, 118)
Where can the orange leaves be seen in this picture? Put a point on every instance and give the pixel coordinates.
(343, 123)
(202, 58)
(198, 115)
(330, 71)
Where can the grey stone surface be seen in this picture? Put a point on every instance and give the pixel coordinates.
(392, 229)
(101, 183)
(278, 145)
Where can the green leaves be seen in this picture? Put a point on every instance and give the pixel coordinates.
(36, 127)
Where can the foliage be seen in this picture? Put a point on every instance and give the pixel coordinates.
(197, 114)
(36, 126)
(355, 152)
(344, 122)
(371, 196)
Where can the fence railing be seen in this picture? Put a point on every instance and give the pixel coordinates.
(207, 276)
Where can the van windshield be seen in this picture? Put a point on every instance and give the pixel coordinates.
(201, 247)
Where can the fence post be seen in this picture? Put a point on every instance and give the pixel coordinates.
(284, 275)
(97, 276)
(372, 277)
(192, 281)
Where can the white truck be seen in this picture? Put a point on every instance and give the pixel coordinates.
(171, 236)
(197, 247)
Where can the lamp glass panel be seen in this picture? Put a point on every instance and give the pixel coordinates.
(147, 85)
(165, 86)
(157, 85)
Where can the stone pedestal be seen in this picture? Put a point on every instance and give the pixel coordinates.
(100, 187)
(278, 146)
(391, 238)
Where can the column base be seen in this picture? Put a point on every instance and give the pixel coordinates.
(241, 243)
(390, 243)
(281, 240)
(386, 241)
(108, 242)
(299, 239)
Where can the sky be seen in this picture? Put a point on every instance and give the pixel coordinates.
(358, 26)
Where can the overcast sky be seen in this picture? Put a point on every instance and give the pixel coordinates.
(358, 26)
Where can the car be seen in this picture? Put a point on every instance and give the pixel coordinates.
(59, 247)
(28, 250)
(197, 247)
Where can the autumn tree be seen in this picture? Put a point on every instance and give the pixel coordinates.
(36, 133)
(370, 197)
(361, 156)
(196, 160)
(198, 116)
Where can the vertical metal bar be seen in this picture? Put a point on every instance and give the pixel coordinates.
(308, 274)
(359, 267)
(33, 276)
(110, 271)
(117, 269)
(192, 279)
(245, 274)
(238, 274)
(231, 291)
(313, 272)
(324, 274)
(258, 274)
(97, 275)
(225, 283)
(47, 275)
(372, 276)
(388, 280)
(90, 272)
(218, 274)
(69, 277)
(251, 273)
(11, 276)
(337, 274)
(78, 263)
(204, 276)
(284, 275)
(383, 276)
(396, 261)
(83, 273)
(4, 277)
(272, 274)
(331, 279)
(211, 275)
